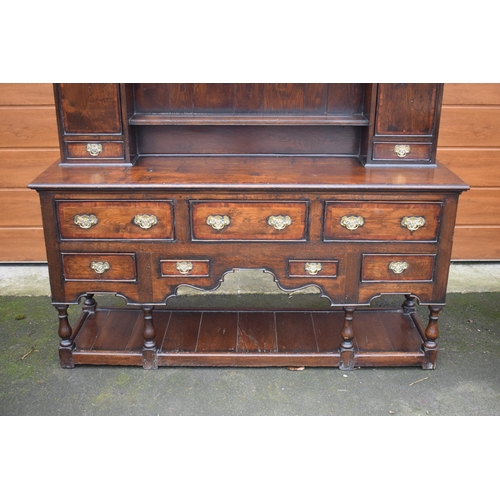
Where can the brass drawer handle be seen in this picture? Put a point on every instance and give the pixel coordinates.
(402, 150)
(94, 149)
(85, 221)
(145, 221)
(313, 267)
(352, 222)
(398, 267)
(100, 267)
(279, 222)
(218, 222)
(184, 267)
(412, 223)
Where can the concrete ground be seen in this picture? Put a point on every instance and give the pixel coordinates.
(466, 382)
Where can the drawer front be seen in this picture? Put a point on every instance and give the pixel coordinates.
(95, 150)
(246, 221)
(310, 268)
(397, 267)
(115, 219)
(375, 221)
(185, 267)
(99, 267)
(402, 151)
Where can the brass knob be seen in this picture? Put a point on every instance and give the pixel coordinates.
(313, 267)
(352, 222)
(94, 149)
(100, 267)
(218, 222)
(398, 267)
(145, 221)
(184, 267)
(279, 222)
(85, 221)
(412, 223)
(402, 150)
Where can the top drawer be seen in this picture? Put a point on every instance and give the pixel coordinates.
(115, 219)
(246, 221)
(376, 221)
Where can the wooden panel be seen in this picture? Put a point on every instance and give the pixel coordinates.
(295, 332)
(249, 140)
(248, 97)
(194, 268)
(473, 243)
(90, 108)
(19, 167)
(417, 117)
(256, 332)
(109, 150)
(377, 267)
(22, 245)
(182, 332)
(28, 127)
(345, 98)
(120, 267)
(283, 97)
(218, 332)
(470, 127)
(382, 221)
(299, 268)
(26, 94)
(471, 93)
(479, 207)
(477, 167)
(213, 97)
(248, 221)
(20, 208)
(115, 219)
(315, 98)
(386, 151)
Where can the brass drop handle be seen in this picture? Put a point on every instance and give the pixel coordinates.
(412, 223)
(313, 267)
(279, 222)
(184, 267)
(218, 222)
(398, 267)
(352, 222)
(145, 221)
(94, 149)
(85, 221)
(402, 150)
(100, 267)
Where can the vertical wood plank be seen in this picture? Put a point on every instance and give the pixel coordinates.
(256, 332)
(248, 97)
(218, 332)
(295, 332)
(213, 97)
(93, 326)
(182, 332)
(284, 98)
(327, 328)
(315, 98)
(345, 98)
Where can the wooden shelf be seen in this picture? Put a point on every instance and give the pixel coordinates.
(245, 119)
(241, 338)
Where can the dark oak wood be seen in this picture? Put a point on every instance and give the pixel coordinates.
(333, 185)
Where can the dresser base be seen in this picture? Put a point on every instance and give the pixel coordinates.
(382, 337)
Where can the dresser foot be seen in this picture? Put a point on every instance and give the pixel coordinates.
(347, 346)
(66, 344)
(149, 351)
(431, 335)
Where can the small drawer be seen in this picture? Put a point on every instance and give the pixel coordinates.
(375, 221)
(311, 268)
(399, 151)
(247, 221)
(95, 150)
(115, 219)
(397, 267)
(99, 267)
(184, 267)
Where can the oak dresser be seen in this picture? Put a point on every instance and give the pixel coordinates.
(333, 185)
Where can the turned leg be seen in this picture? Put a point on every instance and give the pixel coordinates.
(431, 335)
(149, 357)
(66, 344)
(409, 305)
(90, 304)
(347, 346)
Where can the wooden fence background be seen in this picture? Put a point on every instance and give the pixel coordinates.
(469, 144)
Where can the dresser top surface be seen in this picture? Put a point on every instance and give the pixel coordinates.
(247, 173)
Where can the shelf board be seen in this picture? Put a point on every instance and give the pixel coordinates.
(242, 338)
(244, 119)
